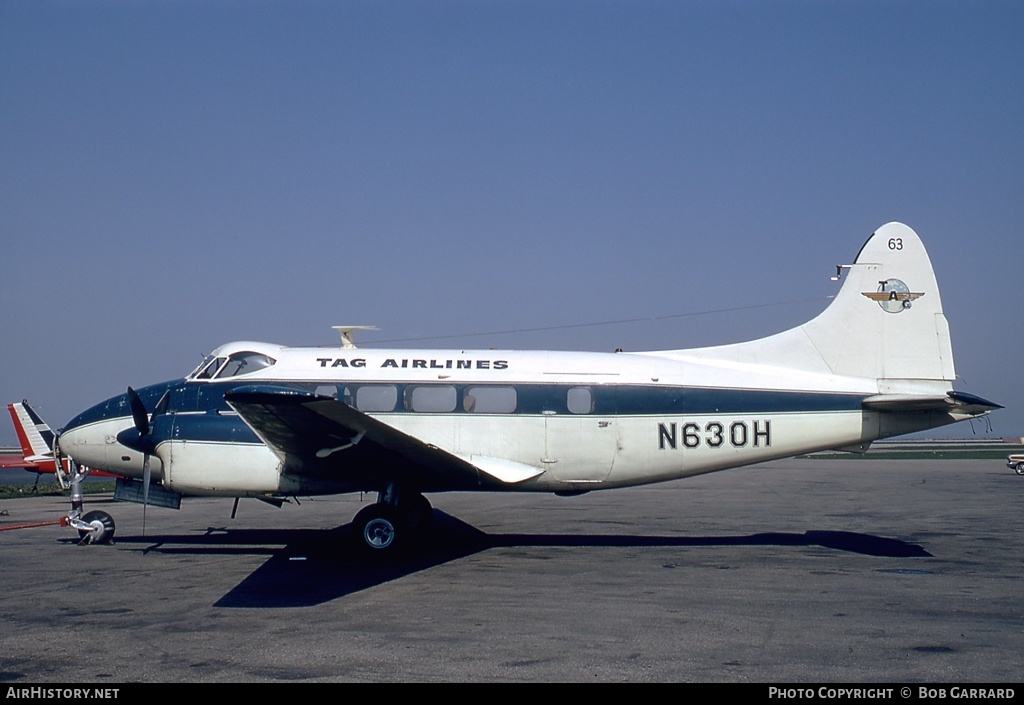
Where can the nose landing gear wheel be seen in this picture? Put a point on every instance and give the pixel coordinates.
(102, 530)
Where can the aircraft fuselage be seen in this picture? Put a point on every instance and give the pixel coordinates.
(584, 420)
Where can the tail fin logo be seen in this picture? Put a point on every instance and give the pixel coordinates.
(893, 296)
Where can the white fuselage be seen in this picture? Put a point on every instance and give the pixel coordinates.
(605, 420)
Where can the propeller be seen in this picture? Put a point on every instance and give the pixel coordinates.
(138, 438)
(141, 439)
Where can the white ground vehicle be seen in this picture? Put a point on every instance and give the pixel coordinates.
(1016, 462)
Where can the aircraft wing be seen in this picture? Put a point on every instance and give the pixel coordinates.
(318, 436)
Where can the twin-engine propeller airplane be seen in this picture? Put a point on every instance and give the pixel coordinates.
(272, 422)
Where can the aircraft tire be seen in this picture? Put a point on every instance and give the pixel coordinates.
(103, 528)
(419, 514)
(1019, 469)
(378, 530)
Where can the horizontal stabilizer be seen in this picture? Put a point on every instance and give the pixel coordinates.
(907, 402)
(953, 402)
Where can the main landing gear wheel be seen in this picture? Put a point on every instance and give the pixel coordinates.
(419, 513)
(384, 529)
(1019, 469)
(102, 530)
(378, 529)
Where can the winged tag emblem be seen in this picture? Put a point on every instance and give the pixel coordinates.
(893, 295)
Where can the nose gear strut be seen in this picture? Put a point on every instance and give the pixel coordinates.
(93, 527)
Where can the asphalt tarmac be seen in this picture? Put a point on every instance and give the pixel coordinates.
(799, 571)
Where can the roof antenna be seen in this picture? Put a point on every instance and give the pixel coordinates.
(346, 334)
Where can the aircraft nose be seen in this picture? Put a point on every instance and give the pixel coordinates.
(86, 444)
(91, 437)
(116, 435)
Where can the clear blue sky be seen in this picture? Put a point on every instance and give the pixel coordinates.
(175, 175)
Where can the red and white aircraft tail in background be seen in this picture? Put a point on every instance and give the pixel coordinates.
(35, 438)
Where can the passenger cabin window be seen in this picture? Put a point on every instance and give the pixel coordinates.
(580, 400)
(436, 398)
(326, 390)
(489, 400)
(373, 397)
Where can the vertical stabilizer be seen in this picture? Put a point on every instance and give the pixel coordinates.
(886, 322)
(34, 434)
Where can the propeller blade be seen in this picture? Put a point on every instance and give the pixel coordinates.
(146, 473)
(161, 406)
(139, 414)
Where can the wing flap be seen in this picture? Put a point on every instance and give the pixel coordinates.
(508, 472)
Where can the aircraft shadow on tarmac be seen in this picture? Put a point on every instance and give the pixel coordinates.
(317, 566)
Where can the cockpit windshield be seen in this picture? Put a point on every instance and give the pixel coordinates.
(239, 363)
(243, 363)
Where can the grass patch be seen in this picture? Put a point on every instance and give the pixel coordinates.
(910, 455)
(52, 489)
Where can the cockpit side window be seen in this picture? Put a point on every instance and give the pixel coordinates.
(194, 374)
(242, 363)
(211, 368)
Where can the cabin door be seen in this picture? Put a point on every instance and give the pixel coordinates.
(580, 445)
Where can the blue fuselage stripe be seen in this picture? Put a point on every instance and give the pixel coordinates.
(201, 413)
